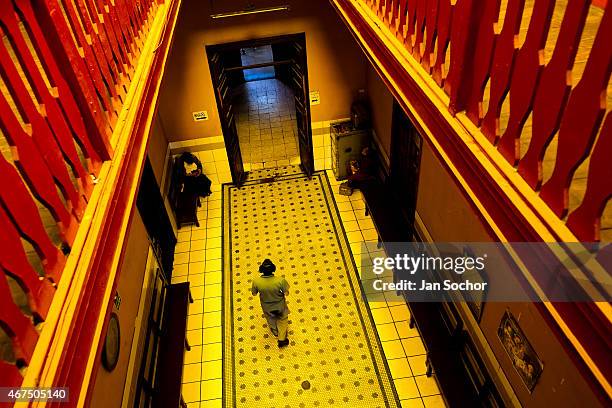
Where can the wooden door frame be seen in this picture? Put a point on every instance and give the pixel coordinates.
(257, 42)
(237, 171)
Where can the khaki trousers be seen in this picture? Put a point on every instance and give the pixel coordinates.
(278, 324)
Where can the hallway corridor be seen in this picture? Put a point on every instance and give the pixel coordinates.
(266, 124)
(332, 345)
(154, 153)
(348, 358)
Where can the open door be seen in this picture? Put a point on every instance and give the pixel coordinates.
(406, 145)
(223, 95)
(299, 80)
(283, 51)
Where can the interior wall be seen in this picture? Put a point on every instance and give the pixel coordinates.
(158, 146)
(108, 388)
(450, 217)
(381, 102)
(336, 66)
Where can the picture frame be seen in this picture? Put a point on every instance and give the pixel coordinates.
(112, 343)
(524, 358)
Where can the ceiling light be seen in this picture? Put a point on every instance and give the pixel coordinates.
(250, 11)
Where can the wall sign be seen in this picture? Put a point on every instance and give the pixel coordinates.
(315, 98)
(199, 116)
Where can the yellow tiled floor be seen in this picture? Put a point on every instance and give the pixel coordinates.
(402, 345)
(198, 260)
(266, 125)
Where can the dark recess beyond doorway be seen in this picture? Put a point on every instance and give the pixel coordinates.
(257, 55)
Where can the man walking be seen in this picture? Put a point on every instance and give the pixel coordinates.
(272, 291)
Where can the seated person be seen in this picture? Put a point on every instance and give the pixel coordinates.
(194, 181)
(367, 161)
(187, 186)
(362, 171)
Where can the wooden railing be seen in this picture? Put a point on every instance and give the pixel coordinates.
(68, 70)
(486, 81)
(532, 76)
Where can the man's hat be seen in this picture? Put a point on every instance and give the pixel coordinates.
(267, 267)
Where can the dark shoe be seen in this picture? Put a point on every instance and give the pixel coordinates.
(283, 343)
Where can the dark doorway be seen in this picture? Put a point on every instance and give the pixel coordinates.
(263, 103)
(150, 204)
(406, 144)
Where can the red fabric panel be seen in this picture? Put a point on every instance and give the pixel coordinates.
(42, 138)
(76, 72)
(16, 199)
(33, 167)
(501, 70)
(581, 119)
(525, 76)
(55, 117)
(585, 221)
(457, 83)
(551, 96)
(431, 21)
(16, 325)
(13, 260)
(482, 58)
(65, 96)
(445, 17)
(419, 30)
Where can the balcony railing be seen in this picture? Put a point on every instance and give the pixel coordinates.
(532, 77)
(513, 96)
(79, 83)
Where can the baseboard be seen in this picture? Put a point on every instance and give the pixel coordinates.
(196, 145)
(382, 153)
(383, 157)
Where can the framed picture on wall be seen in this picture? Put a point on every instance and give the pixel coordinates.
(524, 358)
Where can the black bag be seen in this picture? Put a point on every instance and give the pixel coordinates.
(345, 189)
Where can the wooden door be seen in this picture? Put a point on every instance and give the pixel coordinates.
(233, 58)
(151, 207)
(223, 95)
(299, 82)
(406, 144)
(283, 51)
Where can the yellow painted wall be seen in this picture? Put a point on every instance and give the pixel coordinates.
(108, 388)
(336, 66)
(130, 285)
(381, 101)
(158, 144)
(450, 217)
